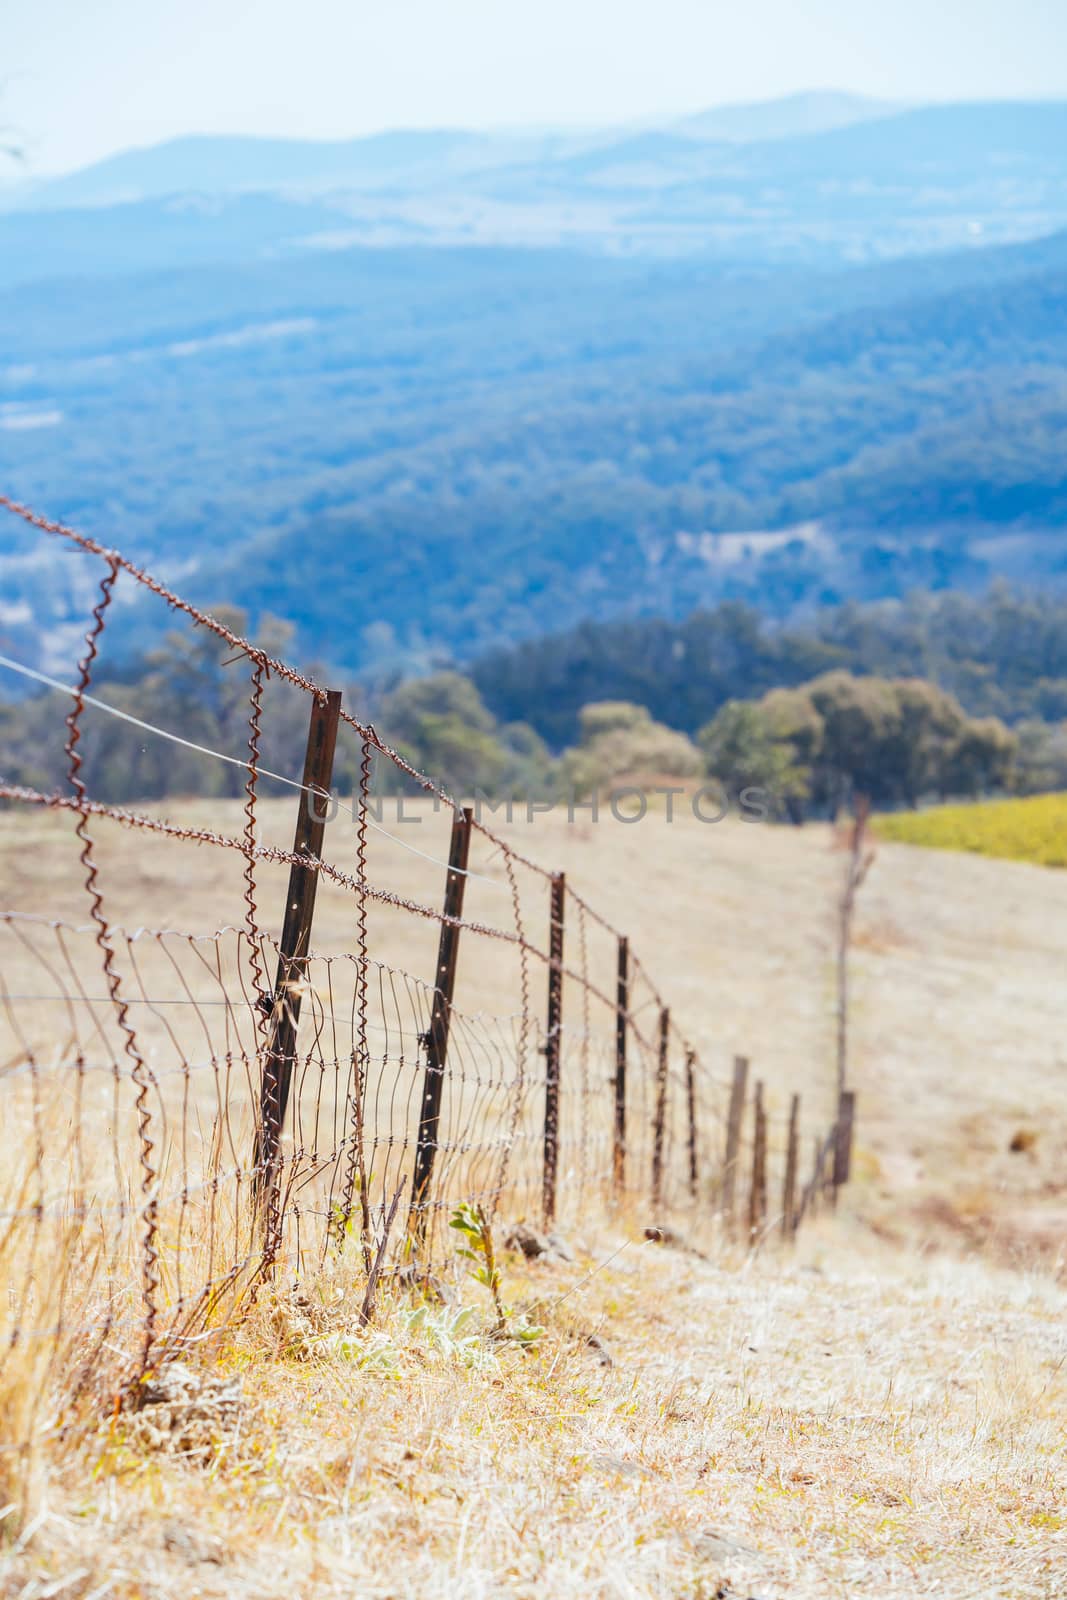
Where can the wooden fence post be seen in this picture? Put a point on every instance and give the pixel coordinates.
(789, 1185)
(735, 1118)
(622, 1007)
(552, 1046)
(691, 1107)
(846, 1112)
(660, 1123)
(295, 944)
(436, 1040)
(757, 1200)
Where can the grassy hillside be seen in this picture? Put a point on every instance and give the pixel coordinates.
(1032, 829)
(882, 1413)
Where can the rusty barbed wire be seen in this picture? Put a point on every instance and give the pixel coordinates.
(270, 663)
(150, 1255)
(186, 1104)
(251, 787)
(522, 1043)
(275, 853)
(583, 1058)
(154, 586)
(594, 916)
(356, 1165)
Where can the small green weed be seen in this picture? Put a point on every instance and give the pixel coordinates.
(473, 1223)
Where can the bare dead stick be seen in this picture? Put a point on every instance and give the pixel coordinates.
(366, 1313)
(366, 1236)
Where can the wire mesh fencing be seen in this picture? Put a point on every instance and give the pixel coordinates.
(191, 1111)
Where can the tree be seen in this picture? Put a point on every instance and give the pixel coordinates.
(748, 745)
(860, 717)
(194, 686)
(620, 740)
(791, 715)
(441, 725)
(839, 736)
(1040, 757)
(980, 758)
(928, 726)
(443, 728)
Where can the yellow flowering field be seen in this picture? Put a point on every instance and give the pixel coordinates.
(1032, 829)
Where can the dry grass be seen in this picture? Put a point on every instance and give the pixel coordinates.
(883, 1414)
(838, 1425)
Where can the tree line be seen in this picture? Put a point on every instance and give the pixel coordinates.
(809, 745)
(1001, 654)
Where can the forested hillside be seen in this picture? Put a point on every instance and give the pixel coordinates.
(1002, 655)
(418, 455)
(722, 358)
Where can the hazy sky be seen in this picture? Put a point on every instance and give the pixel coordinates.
(84, 77)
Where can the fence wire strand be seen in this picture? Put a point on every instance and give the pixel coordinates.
(136, 1060)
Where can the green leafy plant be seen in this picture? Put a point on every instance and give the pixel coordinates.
(370, 1352)
(477, 1229)
(449, 1334)
(475, 1225)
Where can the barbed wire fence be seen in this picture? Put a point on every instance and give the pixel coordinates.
(194, 1112)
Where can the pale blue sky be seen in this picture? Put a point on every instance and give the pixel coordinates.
(84, 77)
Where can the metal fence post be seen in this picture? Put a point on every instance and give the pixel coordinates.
(622, 1007)
(660, 1123)
(757, 1202)
(295, 945)
(734, 1120)
(846, 1112)
(552, 1046)
(789, 1185)
(829, 1157)
(691, 1108)
(436, 1039)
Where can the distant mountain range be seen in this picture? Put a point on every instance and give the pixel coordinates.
(786, 118)
(730, 360)
(815, 179)
(219, 164)
(226, 164)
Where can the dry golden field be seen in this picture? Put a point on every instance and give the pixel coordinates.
(881, 1413)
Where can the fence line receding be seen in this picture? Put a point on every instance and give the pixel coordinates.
(191, 1111)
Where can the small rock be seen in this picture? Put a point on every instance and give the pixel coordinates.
(412, 1277)
(605, 1462)
(604, 1355)
(721, 1547)
(526, 1241)
(195, 1547)
(673, 1241)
